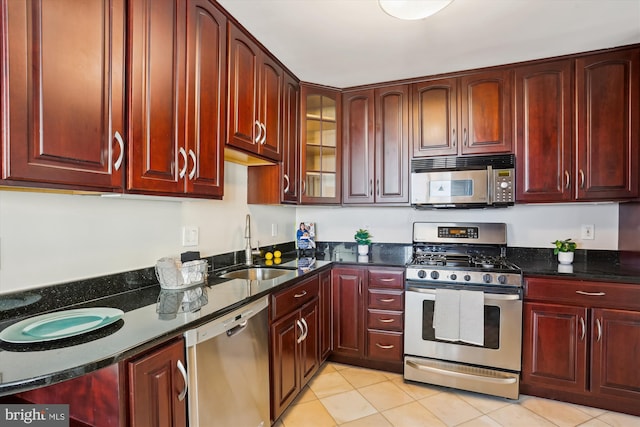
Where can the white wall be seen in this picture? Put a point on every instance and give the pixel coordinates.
(527, 225)
(54, 238)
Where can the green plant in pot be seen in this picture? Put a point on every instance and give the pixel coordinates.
(363, 239)
(564, 249)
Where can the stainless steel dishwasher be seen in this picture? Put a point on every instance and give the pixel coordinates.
(228, 364)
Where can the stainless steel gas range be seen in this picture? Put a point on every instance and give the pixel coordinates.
(463, 309)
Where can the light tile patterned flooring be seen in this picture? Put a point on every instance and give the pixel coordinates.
(347, 396)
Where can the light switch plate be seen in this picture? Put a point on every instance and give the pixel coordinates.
(190, 235)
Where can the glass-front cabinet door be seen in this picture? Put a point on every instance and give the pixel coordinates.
(320, 145)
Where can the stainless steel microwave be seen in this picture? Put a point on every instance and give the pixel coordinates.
(463, 182)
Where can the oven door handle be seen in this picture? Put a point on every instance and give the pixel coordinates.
(487, 297)
(494, 380)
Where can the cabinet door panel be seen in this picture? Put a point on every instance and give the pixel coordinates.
(485, 102)
(271, 79)
(155, 384)
(156, 95)
(543, 140)
(435, 118)
(285, 362)
(64, 92)
(392, 144)
(243, 91)
(206, 97)
(348, 311)
(616, 340)
(608, 102)
(291, 141)
(310, 350)
(358, 147)
(555, 341)
(325, 315)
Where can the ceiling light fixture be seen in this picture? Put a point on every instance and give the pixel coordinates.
(413, 9)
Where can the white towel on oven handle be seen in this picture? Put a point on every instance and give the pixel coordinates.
(472, 317)
(446, 315)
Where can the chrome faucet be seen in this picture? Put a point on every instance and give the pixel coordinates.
(248, 250)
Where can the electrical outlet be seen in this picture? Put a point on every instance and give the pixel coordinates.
(588, 231)
(274, 230)
(190, 235)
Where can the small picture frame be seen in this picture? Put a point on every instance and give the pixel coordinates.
(305, 236)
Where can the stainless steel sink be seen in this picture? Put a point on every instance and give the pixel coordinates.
(256, 273)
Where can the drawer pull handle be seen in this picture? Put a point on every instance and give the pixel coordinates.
(387, 320)
(386, 299)
(300, 295)
(386, 279)
(584, 328)
(385, 347)
(591, 294)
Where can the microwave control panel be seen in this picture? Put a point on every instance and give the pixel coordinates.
(503, 186)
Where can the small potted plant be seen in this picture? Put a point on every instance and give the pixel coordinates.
(363, 239)
(564, 249)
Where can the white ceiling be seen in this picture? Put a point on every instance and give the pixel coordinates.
(345, 43)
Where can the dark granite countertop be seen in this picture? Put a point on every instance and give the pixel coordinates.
(153, 315)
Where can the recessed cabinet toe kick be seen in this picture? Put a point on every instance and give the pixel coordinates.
(228, 365)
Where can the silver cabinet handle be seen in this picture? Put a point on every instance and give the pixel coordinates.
(581, 172)
(193, 158)
(301, 337)
(286, 179)
(386, 320)
(386, 347)
(599, 328)
(371, 187)
(259, 135)
(567, 178)
(386, 279)
(306, 329)
(584, 328)
(591, 294)
(378, 187)
(300, 295)
(264, 134)
(455, 140)
(118, 162)
(183, 371)
(465, 137)
(183, 153)
(386, 299)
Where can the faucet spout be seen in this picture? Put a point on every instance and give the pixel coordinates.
(248, 256)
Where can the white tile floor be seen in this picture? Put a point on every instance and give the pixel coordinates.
(342, 395)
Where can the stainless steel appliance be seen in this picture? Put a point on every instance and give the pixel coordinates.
(463, 182)
(228, 364)
(459, 273)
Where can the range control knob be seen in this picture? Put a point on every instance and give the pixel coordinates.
(504, 185)
(486, 278)
(467, 277)
(435, 275)
(453, 276)
(422, 274)
(502, 279)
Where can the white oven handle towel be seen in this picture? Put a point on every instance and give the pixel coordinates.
(446, 315)
(472, 317)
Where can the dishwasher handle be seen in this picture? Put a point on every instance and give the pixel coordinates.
(230, 324)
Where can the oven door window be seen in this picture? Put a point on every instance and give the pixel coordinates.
(491, 326)
(453, 188)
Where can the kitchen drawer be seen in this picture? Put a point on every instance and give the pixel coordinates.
(385, 320)
(588, 294)
(292, 298)
(385, 345)
(386, 278)
(385, 300)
